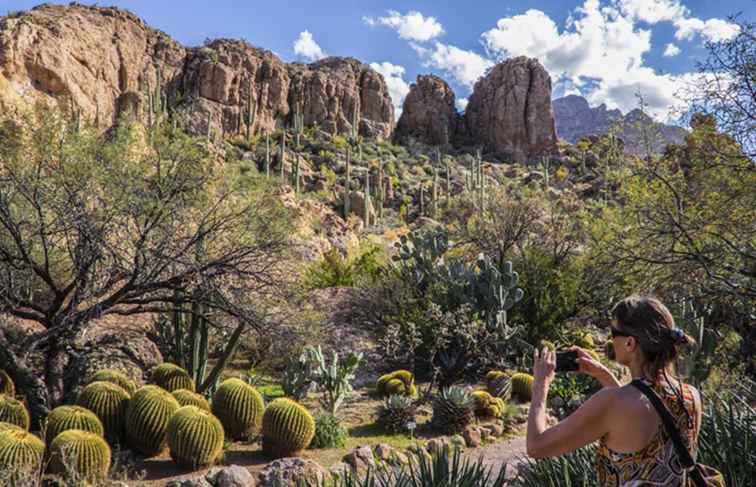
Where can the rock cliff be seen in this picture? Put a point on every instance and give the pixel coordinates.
(429, 114)
(103, 61)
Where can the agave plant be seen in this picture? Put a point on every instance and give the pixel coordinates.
(446, 469)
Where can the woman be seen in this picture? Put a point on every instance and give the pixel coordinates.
(634, 450)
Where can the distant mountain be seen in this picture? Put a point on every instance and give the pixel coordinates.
(575, 118)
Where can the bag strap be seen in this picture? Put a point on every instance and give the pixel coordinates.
(669, 425)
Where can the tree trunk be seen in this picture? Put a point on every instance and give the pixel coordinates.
(27, 381)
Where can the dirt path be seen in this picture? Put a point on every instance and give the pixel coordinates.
(494, 455)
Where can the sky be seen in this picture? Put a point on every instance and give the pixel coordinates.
(606, 50)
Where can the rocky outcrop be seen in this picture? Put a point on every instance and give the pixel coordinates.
(429, 114)
(576, 119)
(105, 60)
(509, 111)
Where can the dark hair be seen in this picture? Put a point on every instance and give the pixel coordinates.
(647, 320)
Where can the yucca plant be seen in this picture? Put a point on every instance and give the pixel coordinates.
(446, 469)
(397, 411)
(453, 410)
(575, 469)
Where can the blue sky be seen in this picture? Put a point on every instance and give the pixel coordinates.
(607, 50)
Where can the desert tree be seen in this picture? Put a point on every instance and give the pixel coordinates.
(121, 224)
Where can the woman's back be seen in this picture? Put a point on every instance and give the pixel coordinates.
(638, 452)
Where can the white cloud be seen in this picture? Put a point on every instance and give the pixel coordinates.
(714, 30)
(461, 104)
(412, 26)
(464, 66)
(306, 47)
(398, 88)
(671, 50)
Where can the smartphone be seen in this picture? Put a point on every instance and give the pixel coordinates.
(567, 361)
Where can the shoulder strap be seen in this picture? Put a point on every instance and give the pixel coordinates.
(668, 421)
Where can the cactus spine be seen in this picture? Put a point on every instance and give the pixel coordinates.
(239, 407)
(171, 377)
(147, 419)
(13, 412)
(287, 428)
(195, 437)
(109, 403)
(117, 378)
(82, 454)
(21, 454)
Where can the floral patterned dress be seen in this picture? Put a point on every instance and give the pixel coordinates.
(657, 463)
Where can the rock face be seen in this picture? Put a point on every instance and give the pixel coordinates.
(106, 60)
(509, 111)
(429, 114)
(575, 119)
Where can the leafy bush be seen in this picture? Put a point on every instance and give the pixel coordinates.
(358, 267)
(329, 432)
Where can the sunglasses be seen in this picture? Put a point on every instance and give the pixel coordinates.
(618, 333)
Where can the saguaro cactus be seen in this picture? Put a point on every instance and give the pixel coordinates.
(347, 188)
(251, 109)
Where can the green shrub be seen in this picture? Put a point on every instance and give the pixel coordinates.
(116, 378)
(6, 384)
(287, 428)
(171, 377)
(79, 456)
(64, 418)
(329, 432)
(109, 403)
(195, 437)
(239, 407)
(14, 412)
(360, 266)
(150, 410)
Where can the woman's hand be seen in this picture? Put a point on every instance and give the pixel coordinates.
(590, 366)
(544, 365)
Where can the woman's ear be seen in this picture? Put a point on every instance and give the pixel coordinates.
(630, 344)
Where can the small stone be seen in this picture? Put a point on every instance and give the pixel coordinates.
(472, 436)
(485, 434)
(458, 442)
(496, 429)
(383, 452)
(436, 445)
(340, 469)
(288, 472)
(231, 476)
(360, 458)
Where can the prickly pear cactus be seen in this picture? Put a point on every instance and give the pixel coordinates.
(239, 407)
(195, 437)
(171, 377)
(188, 398)
(6, 384)
(21, 452)
(65, 418)
(80, 454)
(287, 428)
(522, 387)
(150, 410)
(117, 378)
(109, 403)
(14, 412)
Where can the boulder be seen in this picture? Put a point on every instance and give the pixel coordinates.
(288, 472)
(509, 111)
(428, 113)
(472, 436)
(231, 476)
(383, 452)
(361, 458)
(357, 206)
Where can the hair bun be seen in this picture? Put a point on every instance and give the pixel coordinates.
(678, 336)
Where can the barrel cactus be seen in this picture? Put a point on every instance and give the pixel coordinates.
(9, 427)
(6, 384)
(80, 455)
(546, 344)
(171, 377)
(186, 397)
(522, 386)
(20, 451)
(487, 406)
(117, 378)
(585, 340)
(14, 412)
(397, 382)
(287, 428)
(110, 403)
(150, 410)
(195, 437)
(64, 418)
(239, 407)
(453, 410)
